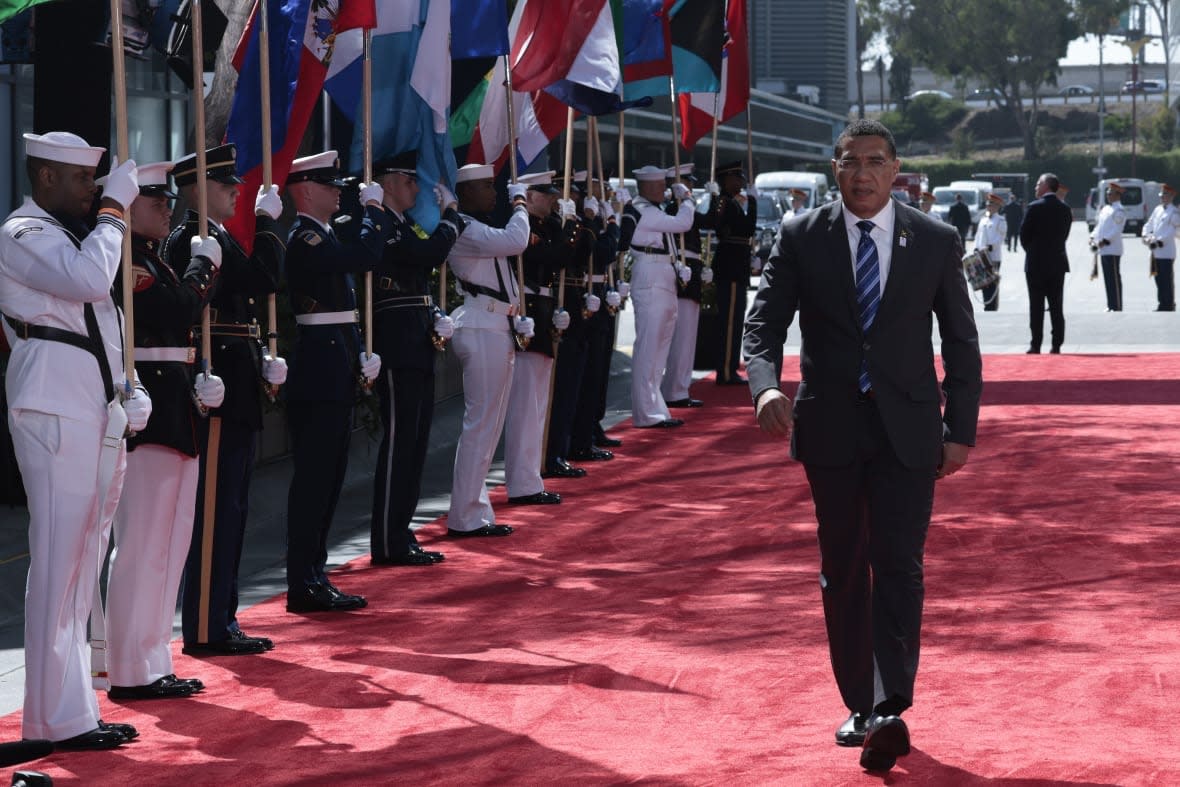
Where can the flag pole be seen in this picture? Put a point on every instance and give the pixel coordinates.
(272, 337)
(706, 256)
(565, 195)
(590, 124)
(610, 273)
(367, 171)
(120, 88)
(675, 158)
(512, 168)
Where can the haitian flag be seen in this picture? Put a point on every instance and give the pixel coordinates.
(301, 44)
(697, 109)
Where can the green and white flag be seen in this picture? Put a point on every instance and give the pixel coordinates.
(10, 8)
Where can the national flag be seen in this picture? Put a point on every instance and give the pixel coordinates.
(10, 8)
(697, 109)
(411, 92)
(646, 46)
(540, 117)
(302, 36)
(697, 30)
(479, 28)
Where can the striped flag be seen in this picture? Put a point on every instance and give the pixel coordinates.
(697, 109)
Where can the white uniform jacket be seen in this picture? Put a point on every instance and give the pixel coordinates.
(1109, 227)
(1162, 225)
(478, 254)
(992, 232)
(657, 230)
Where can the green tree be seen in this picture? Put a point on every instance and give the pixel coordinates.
(901, 78)
(1119, 127)
(962, 143)
(868, 25)
(1158, 131)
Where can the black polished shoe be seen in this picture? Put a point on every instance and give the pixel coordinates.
(486, 530)
(559, 468)
(126, 730)
(541, 498)
(592, 455)
(670, 423)
(1033, 351)
(737, 379)
(225, 647)
(317, 598)
(196, 683)
(242, 636)
(1055, 351)
(602, 441)
(685, 403)
(852, 732)
(166, 687)
(886, 739)
(411, 557)
(360, 602)
(98, 738)
(437, 557)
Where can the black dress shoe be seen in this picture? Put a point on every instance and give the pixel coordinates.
(166, 687)
(437, 557)
(602, 441)
(559, 468)
(592, 455)
(667, 424)
(196, 683)
(737, 379)
(541, 498)
(317, 598)
(886, 739)
(852, 732)
(224, 647)
(411, 557)
(1033, 351)
(98, 738)
(685, 403)
(242, 636)
(486, 530)
(1055, 351)
(360, 602)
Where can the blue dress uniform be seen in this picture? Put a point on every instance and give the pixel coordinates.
(403, 316)
(210, 588)
(731, 267)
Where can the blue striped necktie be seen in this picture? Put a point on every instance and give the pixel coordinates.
(868, 288)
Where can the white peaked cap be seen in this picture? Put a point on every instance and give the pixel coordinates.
(685, 169)
(325, 160)
(649, 173)
(475, 172)
(154, 174)
(64, 147)
(537, 178)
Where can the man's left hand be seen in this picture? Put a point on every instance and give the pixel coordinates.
(954, 456)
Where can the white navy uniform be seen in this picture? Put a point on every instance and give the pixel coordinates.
(1161, 227)
(58, 416)
(1108, 237)
(484, 345)
(653, 289)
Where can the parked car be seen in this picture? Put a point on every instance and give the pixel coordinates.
(986, 94)
(936, 93)
(771, 207)
(1071, 91)
(1143, 86)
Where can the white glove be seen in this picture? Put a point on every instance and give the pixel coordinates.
(752, 191)
(138, 409)
(210, 390)
(370, 366)
(593, 302)
(755, 263)
(684, 272)
(122, 184)
(268, 202)
(444, 326)
(208, 248)
(516, 190)
(706, 275)
(524, 326)
(371, 192)
(713, 189)
(668, 194)
(613, 299)
(624, 288)
(681, 192)
(567, 209)
(443, 195)
(623, 195)
(561, 319)
(274, 370)
(590, 207)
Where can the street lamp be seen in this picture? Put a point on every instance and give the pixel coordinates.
(1136, 40)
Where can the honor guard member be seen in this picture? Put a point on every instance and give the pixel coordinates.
(1107, 241)
(1159, 233)
(692, 275)
(599, 216)
(66, 366)
(798, 201)
(926, 202)
(650, 234)
(407, 325)
(487, 328)
(990, 237)
(154, 524)
(209, 591)
(327, 364)
(544, 260)
(734, 216)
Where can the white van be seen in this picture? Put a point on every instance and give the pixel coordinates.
(814, 183)
(1134, 201)
(973, 192)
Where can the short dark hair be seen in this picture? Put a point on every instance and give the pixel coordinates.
(33, 166)
(866, 128)
(1052, 181)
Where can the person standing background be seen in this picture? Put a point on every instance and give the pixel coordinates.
(1159, 233)
(990, 237)
(1013, 215)
(1043, 233)
(959, 215)
(1107, 241)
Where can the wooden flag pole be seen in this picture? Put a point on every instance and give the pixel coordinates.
(675, 158)
(565, 195)
(589, 191)
(706, 255)
(272, 321)
(128, 285)
(367, 171)
(610, 273)
(512, 168)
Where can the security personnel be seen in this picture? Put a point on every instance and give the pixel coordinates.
(926, 202)
(692, 274)
(544, 260)
(407, 325)
(328, 361)
(154, 523)
(1107, 241)
(65, 332)
(734, 218)
(226, 439)
(798, 201)
(487, 327)
(990, 237)
(1159, 233)
(599, 215)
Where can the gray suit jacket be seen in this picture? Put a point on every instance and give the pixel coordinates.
(810, 273)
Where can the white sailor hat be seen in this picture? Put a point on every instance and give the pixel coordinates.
(475, 172)
(64, 147)
(539, 181)
(321, 168)
(649, 173)
(684, 169)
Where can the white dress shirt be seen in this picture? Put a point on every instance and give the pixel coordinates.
(882, 235)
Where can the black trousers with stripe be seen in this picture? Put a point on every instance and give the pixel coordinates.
(320, 436)
(407, 408)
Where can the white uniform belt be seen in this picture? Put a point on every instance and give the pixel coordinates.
(160, 354)
(327, 318)
(487, 303)
(598, 278)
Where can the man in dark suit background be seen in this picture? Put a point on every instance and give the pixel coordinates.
(1043, 234)
(865, 274)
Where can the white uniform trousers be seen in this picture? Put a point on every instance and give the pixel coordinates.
(153, 528)
(653, 290)
(678, 375)
(487, 358)
(58, 459)
(524, 428)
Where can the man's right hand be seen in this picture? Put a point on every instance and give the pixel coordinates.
(206, 247)
(516, 191)
(774, 413)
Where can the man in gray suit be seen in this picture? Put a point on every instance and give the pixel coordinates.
(865, 274)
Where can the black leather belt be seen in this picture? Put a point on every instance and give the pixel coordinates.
(253, 331)
(407, 302)
(651, 249)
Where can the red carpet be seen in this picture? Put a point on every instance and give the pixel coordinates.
(663, 626)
